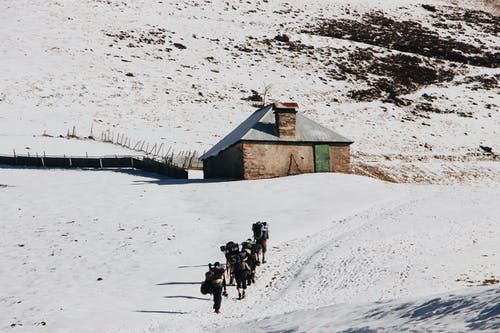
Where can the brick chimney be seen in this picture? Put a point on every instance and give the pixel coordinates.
(285, 117)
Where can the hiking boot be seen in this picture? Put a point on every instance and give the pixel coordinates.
(264, 261)
(243, 295)
(239, 295)
(217, 311)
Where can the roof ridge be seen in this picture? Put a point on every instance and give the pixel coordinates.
(238, 133)
(261, 126)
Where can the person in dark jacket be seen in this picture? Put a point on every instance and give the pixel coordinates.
(231, 251)
(251, 261)
(216, 280)
(261, 235)
(241, 273)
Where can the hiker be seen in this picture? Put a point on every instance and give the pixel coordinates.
(241, 273)
(261, 234)
(254, 250)
(231, 251)
(215, 284)
(251, 259)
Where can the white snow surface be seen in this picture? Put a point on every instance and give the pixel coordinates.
(335, 239)
(457, 312)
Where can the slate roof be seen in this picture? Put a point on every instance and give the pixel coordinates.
(260, 126)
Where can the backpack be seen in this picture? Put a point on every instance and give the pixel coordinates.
(231, 252)
(251, 262)
(256, 229)
(246, 245)
(231, 249)
(206, 286)
(260, 230)
(255, 248)
(242, 266)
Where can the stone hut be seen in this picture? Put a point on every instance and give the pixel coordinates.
(277, 141)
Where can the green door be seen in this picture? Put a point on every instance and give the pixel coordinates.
(321, 158)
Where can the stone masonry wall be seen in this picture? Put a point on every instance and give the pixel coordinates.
(228, 164)
(286, 124)
(340, 159)
(268, 160)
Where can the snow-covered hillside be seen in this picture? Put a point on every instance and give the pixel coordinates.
(88, 251)
(415, 84)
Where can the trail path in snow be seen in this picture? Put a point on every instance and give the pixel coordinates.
(387, 252)
(271, 294)
(335, 240)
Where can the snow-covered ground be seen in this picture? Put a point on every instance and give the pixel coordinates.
(336, 240)
(458, 312)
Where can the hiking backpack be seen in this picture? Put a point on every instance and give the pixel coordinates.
(256, 230)
(241, 264)
(206, 286)
(232, 250)
(260, 230)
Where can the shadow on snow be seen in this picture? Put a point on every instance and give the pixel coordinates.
(188, 297)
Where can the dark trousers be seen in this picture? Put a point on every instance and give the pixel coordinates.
(250, 278)
(217, 292)
(241, 280)
(262, 245)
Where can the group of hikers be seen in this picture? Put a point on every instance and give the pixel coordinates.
(241, 263)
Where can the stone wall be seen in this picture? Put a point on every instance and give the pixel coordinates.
(268, 160)
(228, 164)
(285, 122)
(340, 159)
(257, 160)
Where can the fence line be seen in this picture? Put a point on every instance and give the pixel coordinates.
(182, 159)
(137, 162)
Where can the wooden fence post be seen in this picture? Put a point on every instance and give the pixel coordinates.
(160, 149)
